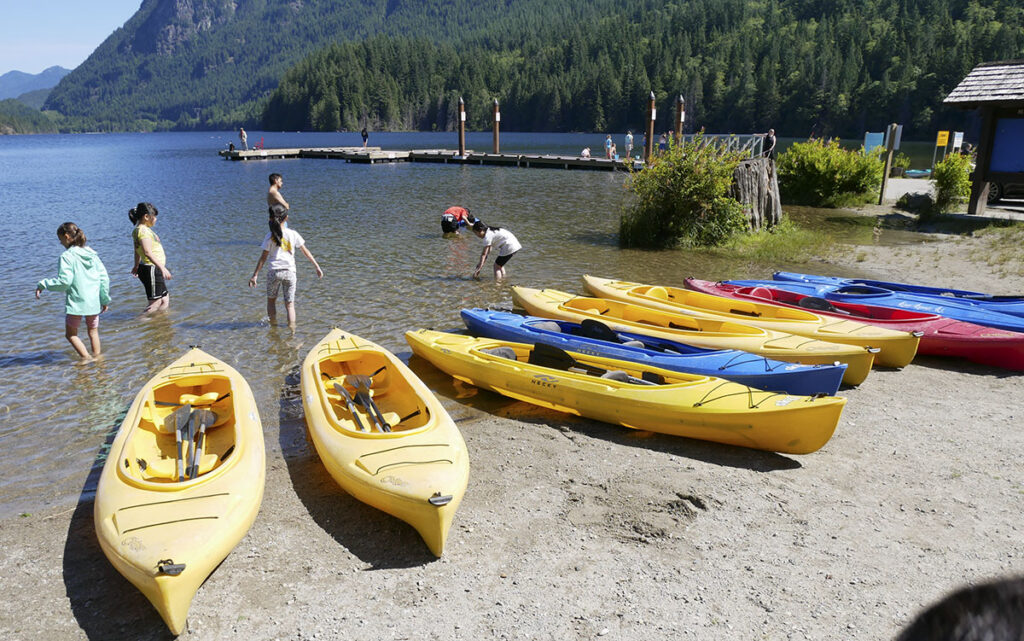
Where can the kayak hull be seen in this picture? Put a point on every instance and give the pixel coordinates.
(686, 405)
(734, 365)
(895, 349)
(712, 334)
(149, 524)
(940, 336)
(418, 471)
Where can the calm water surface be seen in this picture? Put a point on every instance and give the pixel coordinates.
(373, 228)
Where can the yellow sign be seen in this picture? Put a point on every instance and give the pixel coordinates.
(942, 139)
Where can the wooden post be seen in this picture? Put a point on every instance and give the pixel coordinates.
(680, 119)
(462, 127)
(653, 113)
(891, 134)
(979, 186)
(497, 120)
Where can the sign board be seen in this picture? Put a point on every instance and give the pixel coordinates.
(872, 140)
(899, 137)
(958, 140)
(942, 139)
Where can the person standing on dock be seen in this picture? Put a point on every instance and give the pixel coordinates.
(769, 145)
(629, 143)
(365, 135)
(608, 146)
(274, 196)
(244, 138)
(503, 240)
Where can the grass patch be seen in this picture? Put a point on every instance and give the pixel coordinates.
(787, 242)
(1002, 248)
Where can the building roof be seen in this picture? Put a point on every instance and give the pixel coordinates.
(990, 82)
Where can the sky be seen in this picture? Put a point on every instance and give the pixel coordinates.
(37, 34)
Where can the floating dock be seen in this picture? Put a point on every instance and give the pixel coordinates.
(372, 155)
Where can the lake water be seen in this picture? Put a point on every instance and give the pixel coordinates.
(374, 229)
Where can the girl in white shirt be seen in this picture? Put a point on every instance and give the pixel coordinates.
(502, 240)
(279, 246)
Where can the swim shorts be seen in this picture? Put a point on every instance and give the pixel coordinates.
(281, 277)
(153, 280)
(74, 321)
(501, 260)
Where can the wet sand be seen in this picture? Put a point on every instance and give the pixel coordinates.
(573, 529)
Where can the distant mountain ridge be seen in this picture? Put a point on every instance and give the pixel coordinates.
(16, 83)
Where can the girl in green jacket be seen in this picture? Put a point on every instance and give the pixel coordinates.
(82, 276)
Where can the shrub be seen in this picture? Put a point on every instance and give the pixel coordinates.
(952, 182)
(822, 174)
(681, 198)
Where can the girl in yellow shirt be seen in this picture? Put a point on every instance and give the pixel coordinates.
(150, 261)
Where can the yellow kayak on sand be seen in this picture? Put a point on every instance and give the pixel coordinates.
(634, 395)
(383, 435)
(896, 349)
(183, 482)
(702, 332)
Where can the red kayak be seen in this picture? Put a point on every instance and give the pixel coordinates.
(941, 336)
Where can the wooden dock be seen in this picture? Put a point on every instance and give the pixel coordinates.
(372, 155)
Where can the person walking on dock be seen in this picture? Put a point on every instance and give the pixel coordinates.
(505, 242)
(365, 135)
(244, 138)
(769, 145)
(274, 196)
(629, 143)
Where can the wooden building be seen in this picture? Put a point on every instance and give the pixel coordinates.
(997, 90)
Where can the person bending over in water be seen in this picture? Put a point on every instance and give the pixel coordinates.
(279, 247)
(503, 240)
(150, 261)
(82, 276)
(454, 218)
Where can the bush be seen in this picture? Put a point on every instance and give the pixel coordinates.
(681, 198)
(822, 174)
(901, 161)
(952, 182)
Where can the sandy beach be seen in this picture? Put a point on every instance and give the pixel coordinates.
(573, 529)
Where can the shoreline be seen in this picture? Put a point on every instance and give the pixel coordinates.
(572, 528)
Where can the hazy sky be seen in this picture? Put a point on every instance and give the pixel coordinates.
(36, 34)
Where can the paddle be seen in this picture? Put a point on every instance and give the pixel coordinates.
(350, 404)
(205, 417)
(176, 420)
(362, 383)
(190, 441)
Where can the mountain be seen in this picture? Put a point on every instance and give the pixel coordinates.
(16, 118)
(15, 83)
(34, 99)
(213, 63)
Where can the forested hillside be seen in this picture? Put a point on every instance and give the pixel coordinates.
(212, 63)
(826, 67)
(17, 118)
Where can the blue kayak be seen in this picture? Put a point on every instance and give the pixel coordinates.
(597, 339)
(1002, 304)
(869, 295)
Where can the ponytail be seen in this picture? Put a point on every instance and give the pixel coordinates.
(138, 212)
(278, 214)
(73, 230)
(480, 226)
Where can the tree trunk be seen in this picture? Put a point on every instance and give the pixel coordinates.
(756, 186)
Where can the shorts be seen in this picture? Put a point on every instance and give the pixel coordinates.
(501, 260)
(449, 224)
(277, 278)
(73, 321)
(152, 278)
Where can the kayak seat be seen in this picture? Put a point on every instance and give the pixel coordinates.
(658, 292)
(502, 352)
(167, 468)
(616, 375)
(548, 326)
(813, 302)
(633, 344)
(761, 292)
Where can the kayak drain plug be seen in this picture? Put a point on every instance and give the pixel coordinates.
(439, 500)
(169, 567)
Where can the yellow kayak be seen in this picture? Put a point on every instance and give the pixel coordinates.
(165, 520)
(383, 435)
(635, 395)
(702, 332)
(896, 349)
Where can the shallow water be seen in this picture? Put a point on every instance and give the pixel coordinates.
(374, 229)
